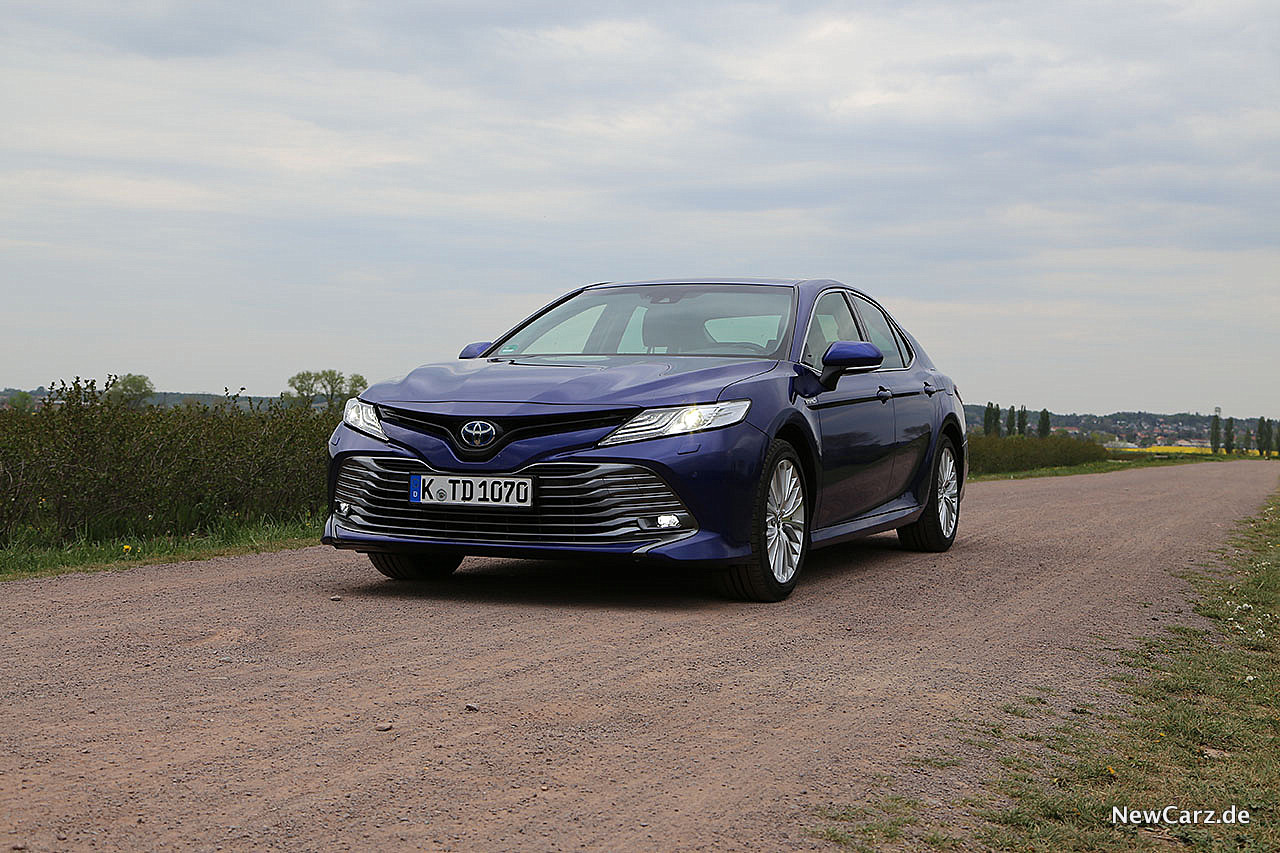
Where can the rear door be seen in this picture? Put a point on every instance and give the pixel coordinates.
(856, 422)
(912, 391)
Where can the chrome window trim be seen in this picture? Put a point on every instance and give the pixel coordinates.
(896, 327)
(858, 321)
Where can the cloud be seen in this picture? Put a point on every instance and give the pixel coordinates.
(273, 185)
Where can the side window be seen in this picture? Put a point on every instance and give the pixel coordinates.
(903, 346)
(567, 336)
(880, 331)
(831, 321)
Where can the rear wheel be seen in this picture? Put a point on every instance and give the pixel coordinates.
(416, 567)
(779, 532)
(936, 528)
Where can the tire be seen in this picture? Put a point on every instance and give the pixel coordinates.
(416, 567)
(936, 528)
(755, 579)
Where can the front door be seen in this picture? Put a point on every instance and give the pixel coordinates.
(855, 422)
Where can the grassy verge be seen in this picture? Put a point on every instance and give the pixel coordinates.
(18, 561)
(1126, 463)
(1202, 732)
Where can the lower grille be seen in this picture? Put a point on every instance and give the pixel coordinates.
(574, 503)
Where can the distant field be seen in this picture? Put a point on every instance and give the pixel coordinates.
(1118, 462)
(1202, 451)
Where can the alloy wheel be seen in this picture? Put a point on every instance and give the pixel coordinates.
(948, 493)
(784, 521)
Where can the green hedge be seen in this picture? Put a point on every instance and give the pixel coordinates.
(989, 454)
(88, 467)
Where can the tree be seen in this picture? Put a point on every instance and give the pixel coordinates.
(986, 418)
(21, 401)
(1229, 436)
(1215, 433)
(332, 386)
(1265, 430)
(336, 388)
(1044, 428)
(131, 389)
(1011, 422)
(305, 386)
(1022, 421)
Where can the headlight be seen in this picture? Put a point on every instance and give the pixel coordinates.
(654, 423)
(363, 416)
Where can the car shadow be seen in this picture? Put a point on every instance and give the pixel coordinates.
(612, 584)
(867, 555)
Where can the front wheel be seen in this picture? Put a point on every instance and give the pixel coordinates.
(936, 528)
(416, 567)
(779, 532)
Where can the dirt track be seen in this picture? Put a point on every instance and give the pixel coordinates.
(232, 704)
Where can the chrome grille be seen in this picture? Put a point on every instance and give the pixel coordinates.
(574, 503)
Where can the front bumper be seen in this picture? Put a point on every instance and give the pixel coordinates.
(588, 501)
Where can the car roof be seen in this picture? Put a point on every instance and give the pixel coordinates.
(801, 283)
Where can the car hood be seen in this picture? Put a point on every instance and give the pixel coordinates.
(596, 381)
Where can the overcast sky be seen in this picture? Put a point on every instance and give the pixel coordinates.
(1071, 205)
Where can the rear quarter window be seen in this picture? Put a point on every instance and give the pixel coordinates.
(880, 331)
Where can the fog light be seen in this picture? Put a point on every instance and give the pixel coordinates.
(668, 521)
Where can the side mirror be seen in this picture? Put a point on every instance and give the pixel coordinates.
(474, 350)
(849, 357)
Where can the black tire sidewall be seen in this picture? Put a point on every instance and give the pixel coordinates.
(940, 540)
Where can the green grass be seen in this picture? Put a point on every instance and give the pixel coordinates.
(866, 828)
(19, 561)
(1202, 731)
(1101, 467)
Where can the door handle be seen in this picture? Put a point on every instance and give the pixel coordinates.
(884, 395)
(929, 388)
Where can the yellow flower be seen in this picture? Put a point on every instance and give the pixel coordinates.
(128, 548)
(1111, 770)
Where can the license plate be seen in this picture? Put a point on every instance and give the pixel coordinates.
(470, 491)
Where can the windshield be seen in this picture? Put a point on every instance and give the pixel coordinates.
(735, 320)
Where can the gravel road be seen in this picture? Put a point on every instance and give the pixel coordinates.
(233, 704)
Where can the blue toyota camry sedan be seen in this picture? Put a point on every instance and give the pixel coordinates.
(734, 424)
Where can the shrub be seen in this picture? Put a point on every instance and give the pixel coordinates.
(87, 465)
(989, 454)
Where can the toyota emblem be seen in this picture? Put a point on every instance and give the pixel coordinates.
(478, 433)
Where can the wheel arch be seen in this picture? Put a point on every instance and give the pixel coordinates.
(798, 435)
(951, 429)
